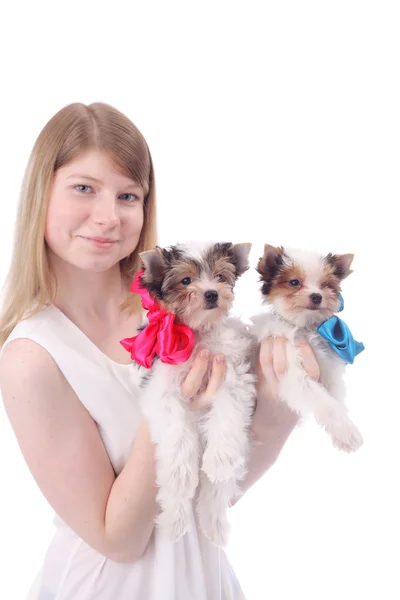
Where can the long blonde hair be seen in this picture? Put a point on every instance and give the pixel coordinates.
(74, 129)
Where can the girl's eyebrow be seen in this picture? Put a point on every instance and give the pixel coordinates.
(130, 183)
(82, 176)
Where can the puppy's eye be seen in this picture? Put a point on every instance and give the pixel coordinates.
(186, 280)
(324, 285)
(220, 278)
(294, 282)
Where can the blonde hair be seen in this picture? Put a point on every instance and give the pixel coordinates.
(74, 129)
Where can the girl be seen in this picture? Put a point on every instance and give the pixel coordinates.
(87, 210)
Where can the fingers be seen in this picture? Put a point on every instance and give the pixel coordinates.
(266, 362)
(279, 356)
(194, 378)
(308, 360)
(217, 377)
(273, 359)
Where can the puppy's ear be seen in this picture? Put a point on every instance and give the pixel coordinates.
(154, 267)
(269, 265)
(153, 262)
(241, 257)
(270, 262)
(341, 264)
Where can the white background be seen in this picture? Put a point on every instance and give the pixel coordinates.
(268, 122)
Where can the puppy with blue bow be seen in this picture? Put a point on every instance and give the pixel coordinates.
(302, 291)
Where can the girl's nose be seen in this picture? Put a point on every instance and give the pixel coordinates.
(105, 211)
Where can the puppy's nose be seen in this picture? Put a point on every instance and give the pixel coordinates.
(316, 298)
(211, 296)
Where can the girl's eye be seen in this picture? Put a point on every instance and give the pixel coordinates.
(83, 188)
(128, 197)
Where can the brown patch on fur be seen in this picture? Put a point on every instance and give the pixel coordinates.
(224, 269)
(280, 285)
(184, 268)
(178, 301)
(176, 295)
(330, 281)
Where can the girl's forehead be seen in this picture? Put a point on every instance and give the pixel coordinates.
(97, 165)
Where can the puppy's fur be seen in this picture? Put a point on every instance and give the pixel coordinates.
(209, 447)
(301, 289)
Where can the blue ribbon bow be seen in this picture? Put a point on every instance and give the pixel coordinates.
(340, 338)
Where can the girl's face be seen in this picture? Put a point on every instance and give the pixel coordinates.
(95, 214)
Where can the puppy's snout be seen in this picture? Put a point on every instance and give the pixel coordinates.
(211, 297)
(316, 299)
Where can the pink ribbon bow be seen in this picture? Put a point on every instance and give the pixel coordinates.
(162, 337)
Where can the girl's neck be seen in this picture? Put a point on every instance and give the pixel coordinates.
(84, 295)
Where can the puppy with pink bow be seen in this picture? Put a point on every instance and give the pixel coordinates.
(201, 456)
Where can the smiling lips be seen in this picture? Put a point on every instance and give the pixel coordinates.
(100, 242)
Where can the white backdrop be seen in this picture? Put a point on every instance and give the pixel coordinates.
(268, 122)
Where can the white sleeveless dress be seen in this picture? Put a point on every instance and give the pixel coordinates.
(190, 569)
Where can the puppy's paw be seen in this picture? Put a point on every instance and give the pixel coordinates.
(174, 524)
(345, 436)
(214, 526)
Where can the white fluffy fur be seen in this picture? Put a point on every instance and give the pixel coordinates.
(325, 399)
(195, 249)
(210, 447)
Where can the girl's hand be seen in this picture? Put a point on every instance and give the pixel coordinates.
(272, 365)
(194, 380)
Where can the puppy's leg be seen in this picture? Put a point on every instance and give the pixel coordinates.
(226, 427)
(177, 478)
(177, 455)
(212, 505)
(303, 395)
